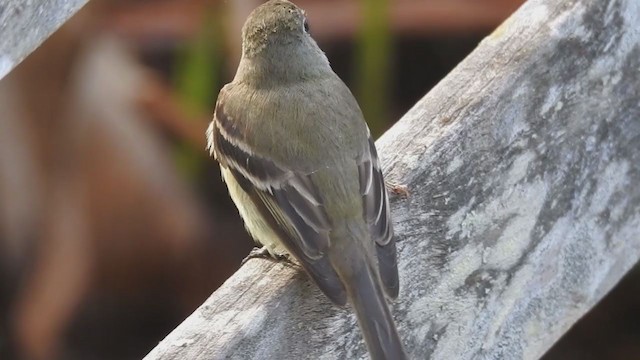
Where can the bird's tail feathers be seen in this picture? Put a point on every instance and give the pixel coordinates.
(374, 317)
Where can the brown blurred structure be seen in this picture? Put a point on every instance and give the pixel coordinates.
(333, 19)
(92, 203)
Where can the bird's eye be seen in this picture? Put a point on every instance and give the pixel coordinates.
(306, 25)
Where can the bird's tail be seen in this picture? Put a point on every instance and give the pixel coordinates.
(369, 303)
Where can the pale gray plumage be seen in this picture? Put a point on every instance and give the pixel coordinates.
(303, 170)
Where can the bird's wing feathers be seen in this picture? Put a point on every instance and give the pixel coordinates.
(287, 200)
(376, 213)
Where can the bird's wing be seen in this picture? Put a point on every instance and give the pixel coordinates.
(286, 199)
(376, 212)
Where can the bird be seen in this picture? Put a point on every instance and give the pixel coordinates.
(302, 168)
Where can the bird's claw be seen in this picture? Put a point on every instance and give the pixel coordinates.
(263, 253)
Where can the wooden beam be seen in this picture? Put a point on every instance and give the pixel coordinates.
(25, 24)
(522, 164)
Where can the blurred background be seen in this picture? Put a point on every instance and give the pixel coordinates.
(114, 224)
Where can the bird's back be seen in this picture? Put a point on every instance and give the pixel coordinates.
(313, 114)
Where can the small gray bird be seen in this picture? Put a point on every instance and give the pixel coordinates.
(302, 168)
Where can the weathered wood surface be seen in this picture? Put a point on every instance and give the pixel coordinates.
(25, 24)
(523, 166)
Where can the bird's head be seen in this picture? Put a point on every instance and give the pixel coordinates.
(274, 23)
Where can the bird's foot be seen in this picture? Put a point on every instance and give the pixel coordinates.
(263, 253)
